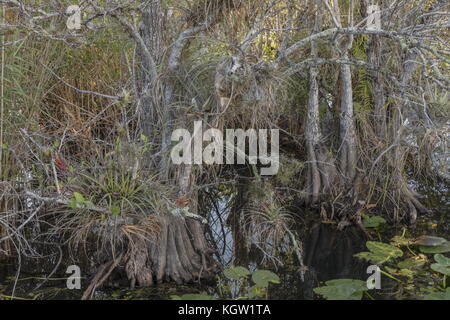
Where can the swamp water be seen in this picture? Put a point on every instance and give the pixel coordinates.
(328, 254)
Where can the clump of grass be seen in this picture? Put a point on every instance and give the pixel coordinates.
(113, 202)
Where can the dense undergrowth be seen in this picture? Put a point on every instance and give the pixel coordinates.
(83, 164)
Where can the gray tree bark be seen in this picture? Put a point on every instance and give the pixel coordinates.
(348, 156)
(180, 253)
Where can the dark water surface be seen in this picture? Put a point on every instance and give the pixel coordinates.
(328, 254)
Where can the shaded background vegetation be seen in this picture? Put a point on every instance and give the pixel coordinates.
(87, 116)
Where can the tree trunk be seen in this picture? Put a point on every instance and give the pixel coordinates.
(347, 132)
(347, 124)
(150, 99)
(180, 252)
(379, 99)
(374, 53)
(321, 171)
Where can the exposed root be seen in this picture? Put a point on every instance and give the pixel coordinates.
(102, 276)
(180, 254)
(323, 177)
(413, 203)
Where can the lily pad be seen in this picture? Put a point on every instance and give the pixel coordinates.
(441, 269)
(429, 241)
(373, 222)
(442, 264)
(342, 289)
(263, 277)
(443, 248)
(236, 273)
(411, 263)
(384, 249)
(379, 252)
(371, 257)
(442, 295)
(442, 260)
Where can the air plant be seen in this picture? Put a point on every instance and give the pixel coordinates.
(129, 199)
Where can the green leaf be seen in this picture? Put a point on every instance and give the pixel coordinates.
(255, 291)
(442, 265)
(380, 252)
(406, 273)
(401, 241)
(443, 248)
(333, 293)
(381, 248)
(442, 295)
(342, 289)
(72, 204)
(78, 197)
(263, 277)
(373, 222)
(236, 273)
(115, 211)
(88, 203)
(371, 257)
(351, 284)
(441, 268)
(144, 138)
(429, 241)
(410, 263)
(442, 260)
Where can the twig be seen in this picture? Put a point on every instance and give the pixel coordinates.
(64, 201)
(24, 223)
(80, 90)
